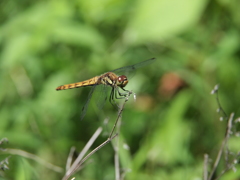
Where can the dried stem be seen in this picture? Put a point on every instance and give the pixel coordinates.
(116, 146)
(205, 167)
(80, 160)
(215, 91)
(224, 143)
(35, 158)
(70, 157)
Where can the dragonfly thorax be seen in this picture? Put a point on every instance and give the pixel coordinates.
(122, 81)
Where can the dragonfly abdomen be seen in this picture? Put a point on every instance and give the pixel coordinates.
(89, 82)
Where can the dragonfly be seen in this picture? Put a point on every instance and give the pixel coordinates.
(110, 79)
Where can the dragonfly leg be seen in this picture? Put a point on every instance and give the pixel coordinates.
(111, 99)
(127, 93)
(120, 95)
(116, 94)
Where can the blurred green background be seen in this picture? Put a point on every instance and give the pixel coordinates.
(172, 124)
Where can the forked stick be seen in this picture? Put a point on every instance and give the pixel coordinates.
(80, 160)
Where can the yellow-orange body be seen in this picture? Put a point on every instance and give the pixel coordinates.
(108, 78)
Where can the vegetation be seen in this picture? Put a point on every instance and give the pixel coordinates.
(173, 123)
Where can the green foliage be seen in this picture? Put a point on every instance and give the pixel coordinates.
(44, 44)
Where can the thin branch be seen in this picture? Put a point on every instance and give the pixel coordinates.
(116, 146)
(116, 162)
(97, 148)
(35, 158)
(76, 167)
(215, 91)
(77, 163)
(205, 167)
(227, 135)
(70, 157)
(232, 166)
(80, 160)
(116, 152)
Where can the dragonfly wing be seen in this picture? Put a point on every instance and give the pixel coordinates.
(85, 107)
(101, 94)
(127, 69)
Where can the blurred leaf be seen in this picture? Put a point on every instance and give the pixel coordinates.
(40, 27)
(169, 139)
(234, 145)
(80, 35)
(156, 20)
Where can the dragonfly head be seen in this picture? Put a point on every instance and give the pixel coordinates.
(122, 81)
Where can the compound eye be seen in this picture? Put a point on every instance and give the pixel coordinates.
(122, 80)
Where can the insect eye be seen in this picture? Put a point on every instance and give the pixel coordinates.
(122, 78)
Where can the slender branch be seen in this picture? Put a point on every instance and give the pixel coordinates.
(227, 135)
(35, 158)
(205, 167)
(224, 171)
(97, 148)
(116, 153)
(80, 160)
(116, 162)
(77, 163)
(116, 146)
(70, 157)
(215, 91)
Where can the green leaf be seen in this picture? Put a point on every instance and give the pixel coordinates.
(156, 20)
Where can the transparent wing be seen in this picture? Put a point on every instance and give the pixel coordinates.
(85, 107)
(127, 69)
(99, 94)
